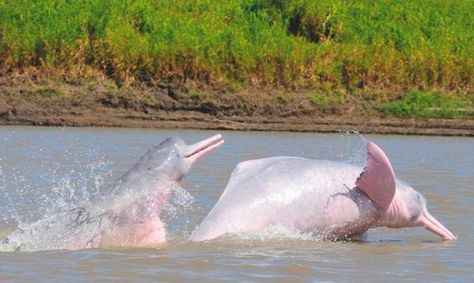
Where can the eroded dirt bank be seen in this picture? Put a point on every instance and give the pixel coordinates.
(169, 106)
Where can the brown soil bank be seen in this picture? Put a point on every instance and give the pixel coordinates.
(180, 106)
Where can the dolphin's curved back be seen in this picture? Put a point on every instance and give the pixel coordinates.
(331, 199)
(285, 190)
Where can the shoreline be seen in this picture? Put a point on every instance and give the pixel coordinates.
(197, 121)
(313, 66)
(175, 107)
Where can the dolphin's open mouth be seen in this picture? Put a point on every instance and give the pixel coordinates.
(195, 151)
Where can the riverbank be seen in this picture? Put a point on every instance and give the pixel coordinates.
(327, 45)
(177, 106)
(329, 65)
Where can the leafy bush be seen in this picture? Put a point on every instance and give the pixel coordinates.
(426, 104)
(330, 44)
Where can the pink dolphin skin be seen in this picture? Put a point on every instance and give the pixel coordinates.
(138, 223)
(332, 200)
(125, 215)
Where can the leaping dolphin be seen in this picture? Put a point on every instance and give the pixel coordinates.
(128, 214)
(332, 200)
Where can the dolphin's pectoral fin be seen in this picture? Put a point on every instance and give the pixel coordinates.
(377, 180)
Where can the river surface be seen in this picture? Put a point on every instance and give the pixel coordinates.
(41, 169)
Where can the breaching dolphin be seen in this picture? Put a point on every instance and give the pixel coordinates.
(331, 200)
(128, 214)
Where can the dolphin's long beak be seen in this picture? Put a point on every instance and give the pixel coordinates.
(430, 223)
(195, 151)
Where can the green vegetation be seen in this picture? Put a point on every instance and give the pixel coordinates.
(428, 105)
(326, 46)
(326, 102)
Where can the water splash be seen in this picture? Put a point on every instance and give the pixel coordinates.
(38, 211)
(347, 147)
(72, 207)
(276, 232)
(36, 206)
(177, 214)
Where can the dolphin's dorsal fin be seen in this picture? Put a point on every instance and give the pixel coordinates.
(377, 180)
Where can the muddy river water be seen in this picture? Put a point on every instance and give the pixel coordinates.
(43, 168)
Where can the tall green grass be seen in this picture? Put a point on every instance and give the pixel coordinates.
(327, 45)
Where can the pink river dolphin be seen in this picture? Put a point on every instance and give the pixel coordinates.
(126, 215)
(331, 200)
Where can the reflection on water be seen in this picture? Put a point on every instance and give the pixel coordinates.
(42, 167)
